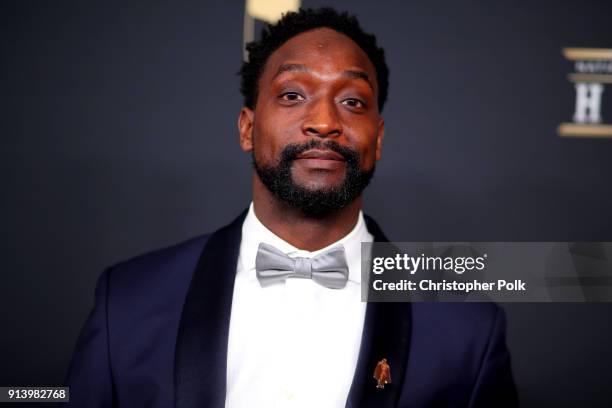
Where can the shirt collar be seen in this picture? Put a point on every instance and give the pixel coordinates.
(254, 232)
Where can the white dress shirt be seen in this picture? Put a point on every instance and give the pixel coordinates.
(294, 343)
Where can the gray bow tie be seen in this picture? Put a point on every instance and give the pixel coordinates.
(328, 268)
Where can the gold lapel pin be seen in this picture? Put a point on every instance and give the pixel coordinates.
(382, 374)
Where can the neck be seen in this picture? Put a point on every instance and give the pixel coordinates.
(291, 225)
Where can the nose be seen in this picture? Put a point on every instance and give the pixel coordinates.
(322, 120)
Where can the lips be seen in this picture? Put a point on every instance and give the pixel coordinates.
(320, 155)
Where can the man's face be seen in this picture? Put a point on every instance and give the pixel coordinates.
(316, 131)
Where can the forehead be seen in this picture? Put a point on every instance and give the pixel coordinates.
(323, 50)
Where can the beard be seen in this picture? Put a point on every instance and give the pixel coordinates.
(316, 203)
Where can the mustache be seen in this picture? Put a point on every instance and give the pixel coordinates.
(291, 151)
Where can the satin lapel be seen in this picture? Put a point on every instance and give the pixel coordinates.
(201, 349)
(386, 334)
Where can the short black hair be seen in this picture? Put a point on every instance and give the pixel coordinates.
(273, 36)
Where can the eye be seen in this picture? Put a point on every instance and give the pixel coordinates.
(354, 103)
(291, 97)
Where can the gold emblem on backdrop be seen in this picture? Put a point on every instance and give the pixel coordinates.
(268, 11)
(593, 71)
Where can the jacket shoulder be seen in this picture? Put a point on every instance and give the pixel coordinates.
(161, 276)
(467, 323)
(454, 338)
(183, 251)
(457, 333)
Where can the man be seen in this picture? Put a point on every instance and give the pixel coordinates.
(219, 321)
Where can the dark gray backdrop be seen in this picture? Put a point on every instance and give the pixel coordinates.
(119, 136)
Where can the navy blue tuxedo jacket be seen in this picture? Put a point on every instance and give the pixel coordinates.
(157, 337)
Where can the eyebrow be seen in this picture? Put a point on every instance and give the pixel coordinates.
(359, 75)
(303, 68)
(291, 68)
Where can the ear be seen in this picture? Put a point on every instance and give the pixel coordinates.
(245, 128)
(379, 138)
